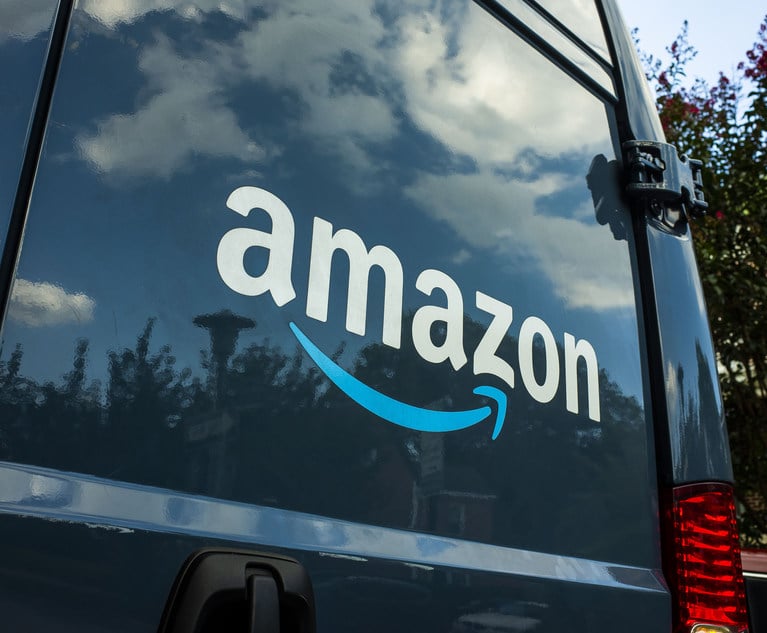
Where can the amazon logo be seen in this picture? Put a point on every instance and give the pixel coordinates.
(276, 279)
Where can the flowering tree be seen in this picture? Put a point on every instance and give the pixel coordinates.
(725, 126)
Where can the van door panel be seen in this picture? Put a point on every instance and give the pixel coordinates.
(352, 282)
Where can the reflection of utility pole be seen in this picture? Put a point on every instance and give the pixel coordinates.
(224, 328)
(211, 434)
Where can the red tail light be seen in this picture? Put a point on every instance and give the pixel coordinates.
(704, 567)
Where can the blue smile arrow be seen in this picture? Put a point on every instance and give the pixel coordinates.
(398, 412)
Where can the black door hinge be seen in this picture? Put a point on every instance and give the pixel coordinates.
(657, 174)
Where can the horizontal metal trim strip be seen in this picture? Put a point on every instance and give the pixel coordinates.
(39, 492)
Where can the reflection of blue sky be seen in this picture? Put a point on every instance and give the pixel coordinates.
(435, 120)
(24, 30)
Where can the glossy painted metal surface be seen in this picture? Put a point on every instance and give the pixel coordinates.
(24, 37)
(122, 578)
(151, 345)
(636, 99)
(699, 447)
(689, 402)
(103, 503)
(424, 581)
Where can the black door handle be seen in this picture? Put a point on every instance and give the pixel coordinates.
(263, 603)
(242, 592)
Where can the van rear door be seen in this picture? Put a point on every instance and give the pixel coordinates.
(350, 283)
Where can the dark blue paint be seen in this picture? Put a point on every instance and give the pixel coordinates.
(121, 381)
(698, 445)
(147, 411)
(24, 38)
(693, 444)
(118, 270)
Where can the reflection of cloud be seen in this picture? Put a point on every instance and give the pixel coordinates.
(322, 32)
(37, 304)
(23, 19)
(461, 257)
(582, 18)
(187, 116)
(356, 114)
(572, 254)
(497, 114)
(114, 12)
(345, 120)
(471, 92)
(457, 75)
(490, 112)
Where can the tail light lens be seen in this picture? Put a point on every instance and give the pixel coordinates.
(705, 568)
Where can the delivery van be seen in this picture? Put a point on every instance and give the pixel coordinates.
(351, 316)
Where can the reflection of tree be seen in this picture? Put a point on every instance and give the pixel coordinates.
(144, 394)
(524, 467)
(266, 428)
(15, 400)
(48, 423)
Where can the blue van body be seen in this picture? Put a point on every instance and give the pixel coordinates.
(352, 284)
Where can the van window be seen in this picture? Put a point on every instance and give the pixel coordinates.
(360, 260)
